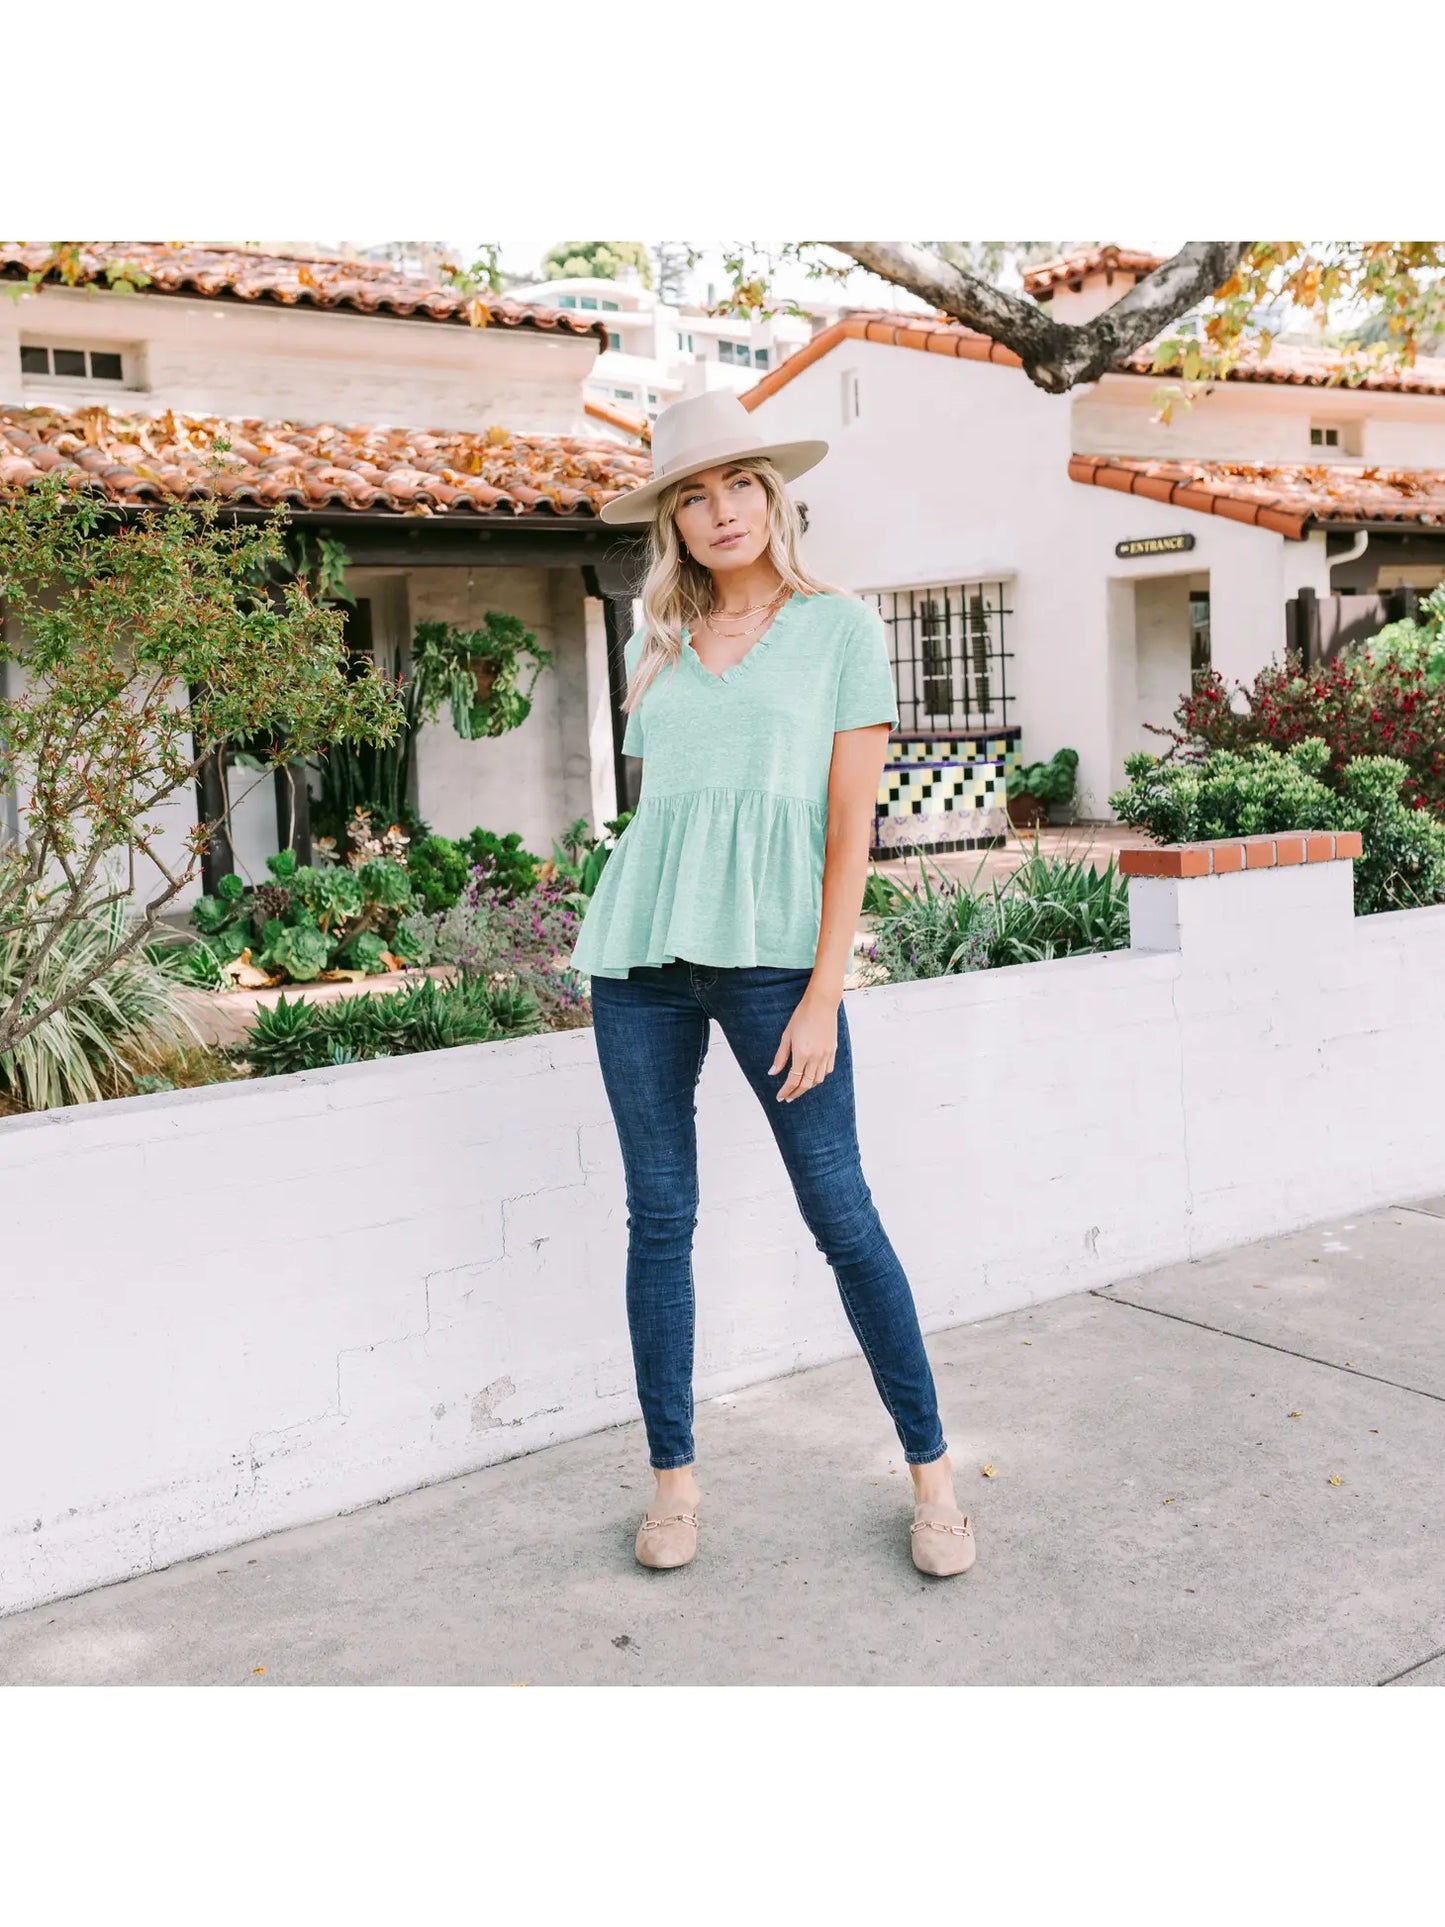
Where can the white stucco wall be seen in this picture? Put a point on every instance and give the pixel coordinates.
(224, 358)
(1257, 422)
(1161, 652)
(231, 1310)
(958, 471)
(537, 778)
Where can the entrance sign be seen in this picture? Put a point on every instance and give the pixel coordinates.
(1155, 545)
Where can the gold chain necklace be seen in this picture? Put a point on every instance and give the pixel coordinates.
(718, 620)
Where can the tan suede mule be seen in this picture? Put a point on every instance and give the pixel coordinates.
(942, 1539)
(669, 1539)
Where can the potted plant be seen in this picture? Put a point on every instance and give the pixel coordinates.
(476, 673)
(1041, 787)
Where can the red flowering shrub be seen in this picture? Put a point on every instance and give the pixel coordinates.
(1359, 708)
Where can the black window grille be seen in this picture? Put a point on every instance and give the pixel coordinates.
(949, 653)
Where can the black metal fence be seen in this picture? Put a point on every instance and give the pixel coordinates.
(949, 653)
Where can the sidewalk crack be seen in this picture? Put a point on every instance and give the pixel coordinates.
(1413, 1667)
(1109, 1295)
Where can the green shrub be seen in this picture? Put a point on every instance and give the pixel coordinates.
(1250, 793)
(438, 869)
(297, 1035)
(1416, 642)
(105, 1029)
(1051, 782)
(1403, 864)
(1386, 700)
(504, 864)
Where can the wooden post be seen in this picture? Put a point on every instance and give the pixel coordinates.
(617, 613)
(1307, 626)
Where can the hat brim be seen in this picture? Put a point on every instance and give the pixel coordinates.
(638, 505)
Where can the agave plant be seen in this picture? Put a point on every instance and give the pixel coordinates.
(102, 1035)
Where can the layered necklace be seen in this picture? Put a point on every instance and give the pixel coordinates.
(733, 624)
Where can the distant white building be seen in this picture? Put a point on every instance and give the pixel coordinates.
(658, 351)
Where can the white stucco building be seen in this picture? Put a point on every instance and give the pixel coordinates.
(1005, 531)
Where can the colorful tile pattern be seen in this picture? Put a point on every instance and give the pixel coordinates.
(944, 792)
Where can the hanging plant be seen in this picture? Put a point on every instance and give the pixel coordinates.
(475, 673)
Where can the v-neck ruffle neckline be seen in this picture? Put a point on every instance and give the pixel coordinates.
(730, 675)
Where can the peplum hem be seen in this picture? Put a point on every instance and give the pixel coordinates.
(721, 876)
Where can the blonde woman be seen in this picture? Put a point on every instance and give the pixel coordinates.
(760, 701)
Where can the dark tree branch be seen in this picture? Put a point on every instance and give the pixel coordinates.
(1056, 357)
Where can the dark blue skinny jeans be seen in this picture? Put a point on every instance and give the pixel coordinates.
(652, 1030)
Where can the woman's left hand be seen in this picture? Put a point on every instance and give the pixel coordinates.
(811, 1039)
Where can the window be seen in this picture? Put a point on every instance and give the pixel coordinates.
(587, 301)
(610, 307)
(850, 396)
(614, 340)
(1345, 437)
(625, 394)
(72, 364)
(566, 301)
(725, 351)
(652, 399)
(946, 645)
(1199, 650)
(760, 357)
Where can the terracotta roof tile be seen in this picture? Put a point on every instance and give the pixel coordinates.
(934, 334)
(1071, 270)
(602, 411)
(940, 334)
(170, 457)
(1286, 499)
(319, 281)
(1302, 366)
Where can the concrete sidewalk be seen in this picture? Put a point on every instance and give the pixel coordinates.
(1227, 1473)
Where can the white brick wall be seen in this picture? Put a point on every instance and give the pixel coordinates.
(237, 1309)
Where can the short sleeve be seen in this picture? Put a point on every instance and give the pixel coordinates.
(632, 735)
(865, 683)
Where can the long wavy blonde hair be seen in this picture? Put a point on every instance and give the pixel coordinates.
(678, 590)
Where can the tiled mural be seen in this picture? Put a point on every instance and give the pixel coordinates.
(944, 792)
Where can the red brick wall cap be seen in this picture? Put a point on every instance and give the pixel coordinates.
(1268, 852)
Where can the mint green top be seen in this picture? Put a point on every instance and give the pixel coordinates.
(722, 861)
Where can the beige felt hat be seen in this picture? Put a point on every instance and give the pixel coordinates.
(689, 436)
